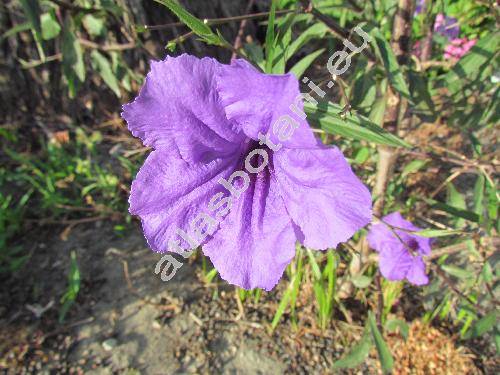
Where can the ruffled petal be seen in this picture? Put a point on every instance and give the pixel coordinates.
(168, 194)
(255, 101)
(178, 106)
(322, 195)
(256, 240)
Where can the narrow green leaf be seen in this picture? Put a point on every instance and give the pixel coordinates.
(314, 265)
(281, 46)
(457, 272)
(378, 110)
(482, 326)
(431, 233)
(384, 354)
(283, 303)
(479, 195)
(33, 11)
(102, 65)
(16, 29)
(196, 25)
(318, 30)
(454, 211)
(386, 55)
(255, 53)
(471, 64)
(413, 166)
(73, 288)
(301, 66)
(72, 57)
(357, 354)
(352, 126)
(270, 38)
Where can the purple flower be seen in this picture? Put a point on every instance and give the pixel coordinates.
(446, 26)
(237, 170)
(420, 6)
(396, 261)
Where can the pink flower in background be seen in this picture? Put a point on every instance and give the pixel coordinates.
(446, 26)
(458, 47)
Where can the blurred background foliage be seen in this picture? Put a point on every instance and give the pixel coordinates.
(67, 159)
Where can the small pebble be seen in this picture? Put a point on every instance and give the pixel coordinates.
(109, 344)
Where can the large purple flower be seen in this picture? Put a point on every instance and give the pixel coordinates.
(398, 260)
(237, 169)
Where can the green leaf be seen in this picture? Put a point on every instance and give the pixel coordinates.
(361, 281)
(479, 195)
(103, 67)
(431, 233)
(73, 288)
(364, 90)
(362, 155)
(471, 64)
(318, 30)
(352, 126)
(482, 326)
(72, 57)
(384, 354)
(33, 11)
(50, 26)
(386, 55)
(357, 354)
(378, 110)
(421, 97)
(94, 26)
(283, 303)
(196, 25)
(16, 29)
(314, 265)
(255, 53)
(453, 210)
(395, 324)
(283, 39)
(301, 66)
(413, 166)
(457, 272)
(270, 38)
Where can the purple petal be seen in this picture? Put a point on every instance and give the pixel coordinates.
(255, 101)
(178, 106)
(168, 194)
(256, 240)
(416, 274)
(396, 220)
(322, 195)
(395, 259)
(395, 262)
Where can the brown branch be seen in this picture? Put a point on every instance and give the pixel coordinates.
(239, 37)
(106, 47)
(219, 21)
(400, 44)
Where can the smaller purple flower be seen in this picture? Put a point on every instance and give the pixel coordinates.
(398, 260)
(420, 7)
(446, 26)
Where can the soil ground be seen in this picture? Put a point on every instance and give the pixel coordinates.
(126, 320)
